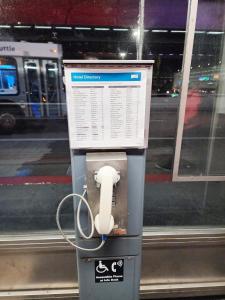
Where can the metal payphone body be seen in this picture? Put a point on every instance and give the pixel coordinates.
(118, 160)
(108, 114)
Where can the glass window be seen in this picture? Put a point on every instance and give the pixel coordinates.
(35, 168)
(33, 87)
(193, 203)
(8, 76)
(165, 23)
(204, 128)
(52, 87)
(52, 81)
(184, 203)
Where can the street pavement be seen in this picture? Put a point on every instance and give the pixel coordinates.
(41, 149)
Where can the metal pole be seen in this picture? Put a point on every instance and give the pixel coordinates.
(140, 30)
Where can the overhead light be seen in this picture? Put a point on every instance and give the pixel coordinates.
(22, 26)
(170, 54)
(159, 30)
(123, 54)
(54, 50)
(5, 26)
(120, 29)
(199, 31)
(102, 28)
(200, 54)
(136, 33)
(83, 28)
(215, 32)
(178, 31)
(63, 27)
(31, 67)
(42, 27)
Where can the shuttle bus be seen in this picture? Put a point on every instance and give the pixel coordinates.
(30, 83)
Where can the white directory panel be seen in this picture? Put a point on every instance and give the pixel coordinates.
(107, 106)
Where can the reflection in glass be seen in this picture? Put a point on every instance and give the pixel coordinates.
(31, 69)
(52, 82)
(164, 42)
(185, 204)
(203, 141)
(35, 157)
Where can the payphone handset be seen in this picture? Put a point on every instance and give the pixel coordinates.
(108, 109)
(106, 177)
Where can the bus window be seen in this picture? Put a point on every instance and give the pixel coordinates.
(52, 73)
(8, 76)
(33, 85)
(52, 87)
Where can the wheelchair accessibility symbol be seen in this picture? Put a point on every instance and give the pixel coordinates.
(101, 268)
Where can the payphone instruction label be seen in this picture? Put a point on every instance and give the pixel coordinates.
(110, 270)
(106, 107)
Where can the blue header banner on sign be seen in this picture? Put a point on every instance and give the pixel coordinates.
(82, 77)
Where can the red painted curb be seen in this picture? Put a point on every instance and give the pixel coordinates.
(26, 180)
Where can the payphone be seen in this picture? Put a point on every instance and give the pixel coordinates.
(108, 105)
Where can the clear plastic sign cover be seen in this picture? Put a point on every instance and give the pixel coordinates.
(108, 107)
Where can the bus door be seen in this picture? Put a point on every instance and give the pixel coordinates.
(33, 87)
(51, 87)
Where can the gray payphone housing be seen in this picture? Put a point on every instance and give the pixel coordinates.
(121, 254)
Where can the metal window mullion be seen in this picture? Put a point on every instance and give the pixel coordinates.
(140, 30)
(186, 67)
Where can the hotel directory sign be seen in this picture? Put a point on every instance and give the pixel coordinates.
(108, 104)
